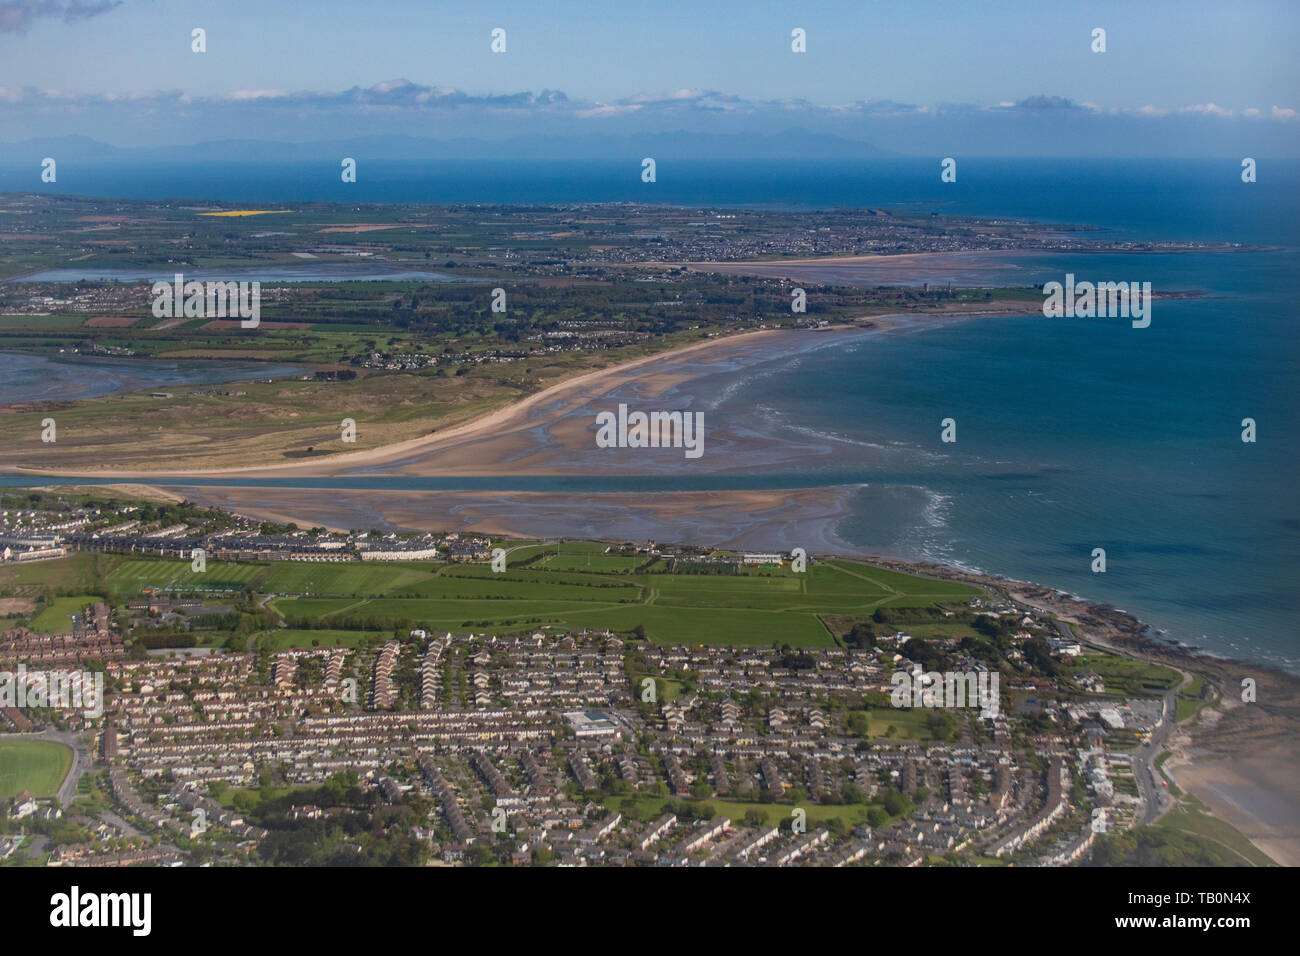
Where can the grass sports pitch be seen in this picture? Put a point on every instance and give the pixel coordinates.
(546, 587)
(37, 766)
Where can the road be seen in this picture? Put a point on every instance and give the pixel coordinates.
(1155, 797)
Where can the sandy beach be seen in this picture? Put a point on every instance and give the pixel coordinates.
(1241, 761)
(147, 492)
(489, 444)
(1255, 793)
(552, 431)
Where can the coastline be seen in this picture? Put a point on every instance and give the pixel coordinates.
(1239, 760)
(492, 421)
(501, 441)
(1213, 756)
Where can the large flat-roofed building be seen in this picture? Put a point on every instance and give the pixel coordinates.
(593, 723)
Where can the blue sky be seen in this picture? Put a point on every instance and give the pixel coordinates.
(118, 70)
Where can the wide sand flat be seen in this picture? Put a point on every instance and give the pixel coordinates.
(494, 436)
(552, 431)
(760, 520)
(1255, 792)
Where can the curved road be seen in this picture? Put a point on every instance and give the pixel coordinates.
(1151, 788)
(81, 759)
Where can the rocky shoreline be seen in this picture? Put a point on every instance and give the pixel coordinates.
(1231, 749)
(1278, 693)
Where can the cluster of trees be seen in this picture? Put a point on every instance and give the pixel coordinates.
(221, 622)
(169, 513)
(795, 660)
(729, 569)
(380, 838)
(862, 635)
(896, 616)
(151, 640)
(271, 528)
(931, 655)
(998, 628)
(361, 623)
(1038, 653)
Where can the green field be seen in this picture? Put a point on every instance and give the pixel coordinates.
(364, 579)
(37, 766)
(1189, 700)
(1125, 677)
(774, 814)
(57, 616)
(906, 723)
(130, 576)
(556, 590)
(590, 559)
(781, 606)
(74, 571)
(1189, 819)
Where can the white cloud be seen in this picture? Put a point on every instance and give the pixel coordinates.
(674, 96)
(605, 109)
(257, 94)
(1209, 109)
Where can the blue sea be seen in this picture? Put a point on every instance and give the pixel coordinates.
(1072, 434)
(1075, 434)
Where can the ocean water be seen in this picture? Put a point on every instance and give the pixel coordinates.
(1072, 434)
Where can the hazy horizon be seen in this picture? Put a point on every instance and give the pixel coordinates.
(1174, 79)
